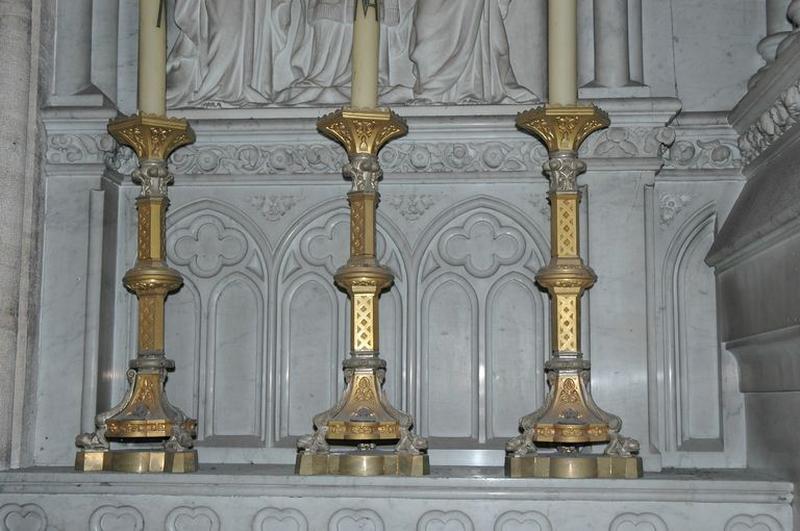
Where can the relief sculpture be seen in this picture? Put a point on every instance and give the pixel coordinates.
(241, 53)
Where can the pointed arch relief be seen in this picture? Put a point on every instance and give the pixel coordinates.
(449, 358)
(494, 328)
(308, 342)
(225, 261)
(517, 346)
(183, 333)
(690, 345)
(235, 360)
(312, 335)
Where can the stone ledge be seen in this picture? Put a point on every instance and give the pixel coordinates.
(240, 498)
(702, 486)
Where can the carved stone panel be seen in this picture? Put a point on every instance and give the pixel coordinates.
(694, 393)
(217, 323)
(481, 323)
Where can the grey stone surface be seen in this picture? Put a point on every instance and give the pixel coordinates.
(469, 499)
(18, 99)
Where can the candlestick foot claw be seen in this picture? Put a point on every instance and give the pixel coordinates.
(620, 446)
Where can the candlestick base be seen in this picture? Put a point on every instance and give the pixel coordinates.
(363, 464)
(137, 461)
(582, 466)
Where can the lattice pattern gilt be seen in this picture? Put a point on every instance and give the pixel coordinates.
(363, 322)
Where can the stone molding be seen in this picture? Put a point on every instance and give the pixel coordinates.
(771, 108)
(236, 146)
(740, 487)
(782, 116)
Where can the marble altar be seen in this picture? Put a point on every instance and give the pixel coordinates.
(257, 228)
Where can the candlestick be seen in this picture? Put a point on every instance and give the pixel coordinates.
(570, 419)
(145, 415)
(366, 35)
(562, 54)
(363, 416)
(153, 57)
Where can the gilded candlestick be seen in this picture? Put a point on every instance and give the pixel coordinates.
(145, 414)
(363, 417)
(570, 419)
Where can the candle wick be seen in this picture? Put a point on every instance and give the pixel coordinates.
(161, 12)
(367, 4)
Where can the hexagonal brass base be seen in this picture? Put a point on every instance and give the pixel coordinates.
(573, 466)
(362, 464)
(136, 461)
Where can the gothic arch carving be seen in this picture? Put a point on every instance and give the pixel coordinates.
(307, 256)
(513, 378)
(220, 252)
(477, 245)
(449, 359)
(235, 355)
(689, 356)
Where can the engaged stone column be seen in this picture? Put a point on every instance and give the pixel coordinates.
(611, 58)
(636, 41)
(15, 42)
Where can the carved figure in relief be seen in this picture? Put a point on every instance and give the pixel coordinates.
(461, 53)
(222, 55)
(313, 48)
(236, 53)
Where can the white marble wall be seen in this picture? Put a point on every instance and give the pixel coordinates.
(257, 227)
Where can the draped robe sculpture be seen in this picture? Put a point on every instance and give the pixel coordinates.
(222, 55)
(461, 53)
(235, 53)
(314, 46)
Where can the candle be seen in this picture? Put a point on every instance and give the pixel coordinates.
(366, 35)
(562, 54)
(152, 57)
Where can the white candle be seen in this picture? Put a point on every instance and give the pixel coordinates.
(152, 57)
(562, 55)
(366, 35)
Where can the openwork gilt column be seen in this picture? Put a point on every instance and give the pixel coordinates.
(363, 419)
(569, 420)
(145, 415)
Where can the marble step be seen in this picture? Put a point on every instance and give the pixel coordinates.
(271, 497)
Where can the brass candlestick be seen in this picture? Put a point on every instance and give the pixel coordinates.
(363, 418)
(569, 419)
(145, 414)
